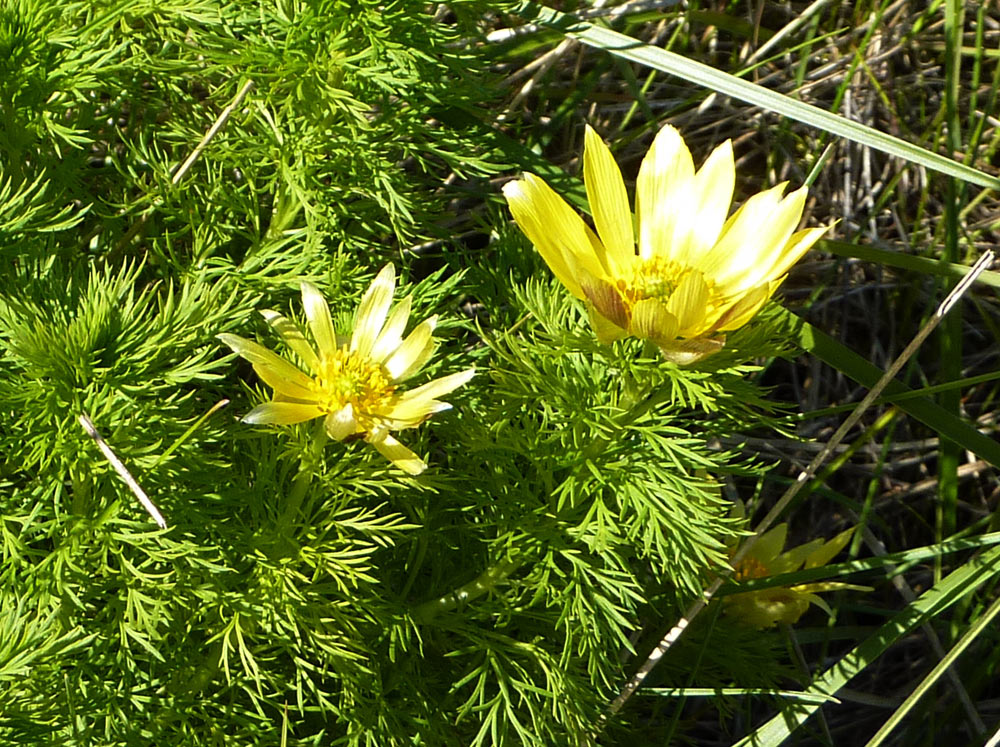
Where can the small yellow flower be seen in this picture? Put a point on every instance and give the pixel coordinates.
(763, 608)
(352, 382)
(696, 274)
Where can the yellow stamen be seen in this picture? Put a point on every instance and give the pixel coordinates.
(345, 378)
(750, 568)
(655, 278)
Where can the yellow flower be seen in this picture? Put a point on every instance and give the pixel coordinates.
(352, 382)
(763, 608)
(696, 274)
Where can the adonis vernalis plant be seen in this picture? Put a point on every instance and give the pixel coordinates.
(696, 275)
(352, 382)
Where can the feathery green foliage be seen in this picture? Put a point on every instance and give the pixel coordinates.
(170, 169)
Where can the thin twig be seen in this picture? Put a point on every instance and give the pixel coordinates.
(123, 472)
(542, 66)
(807, 474)
(994, 740)
(212, 132)
(188, 162)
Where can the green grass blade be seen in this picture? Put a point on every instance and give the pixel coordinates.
(738, 692)
(889, 565)
(905, 261)
(716, 80)
(950, 332)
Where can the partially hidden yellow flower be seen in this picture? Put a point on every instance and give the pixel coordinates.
(762, 608)
(353, 383)
(694, 273)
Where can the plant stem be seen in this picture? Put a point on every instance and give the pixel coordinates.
(480, 585)
(307, 468)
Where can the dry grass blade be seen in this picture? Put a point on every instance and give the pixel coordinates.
(123, 472)
(179, 173)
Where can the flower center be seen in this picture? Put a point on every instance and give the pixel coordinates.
(345, 378)
(750, 568)
(654, 278)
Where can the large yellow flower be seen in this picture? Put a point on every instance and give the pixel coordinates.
(763, 608)
(696, 273)
(352, 383)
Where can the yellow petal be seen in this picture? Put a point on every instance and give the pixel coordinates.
(608, 203)
(273, 370)
(736, 248)
(812, 599)
(745, 308)
(660, 192)
(651, 320)
(786, 606)
(606, 331)
(688, 303)
(764, 608)
(372, 311)
(282, 413)
(791, 560)
(436, 388)
(686, 352)
(828, 550)
(411, 413)
(565, 242)
(769, 545)
(318, 316)
(399, 455)
(775, 239)
(293, 337)
(341, 424)
(392, 332)
(798, 244)
(829, 586)
(707, 201)
(752, 245)
(413, 352)
(605, 300)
